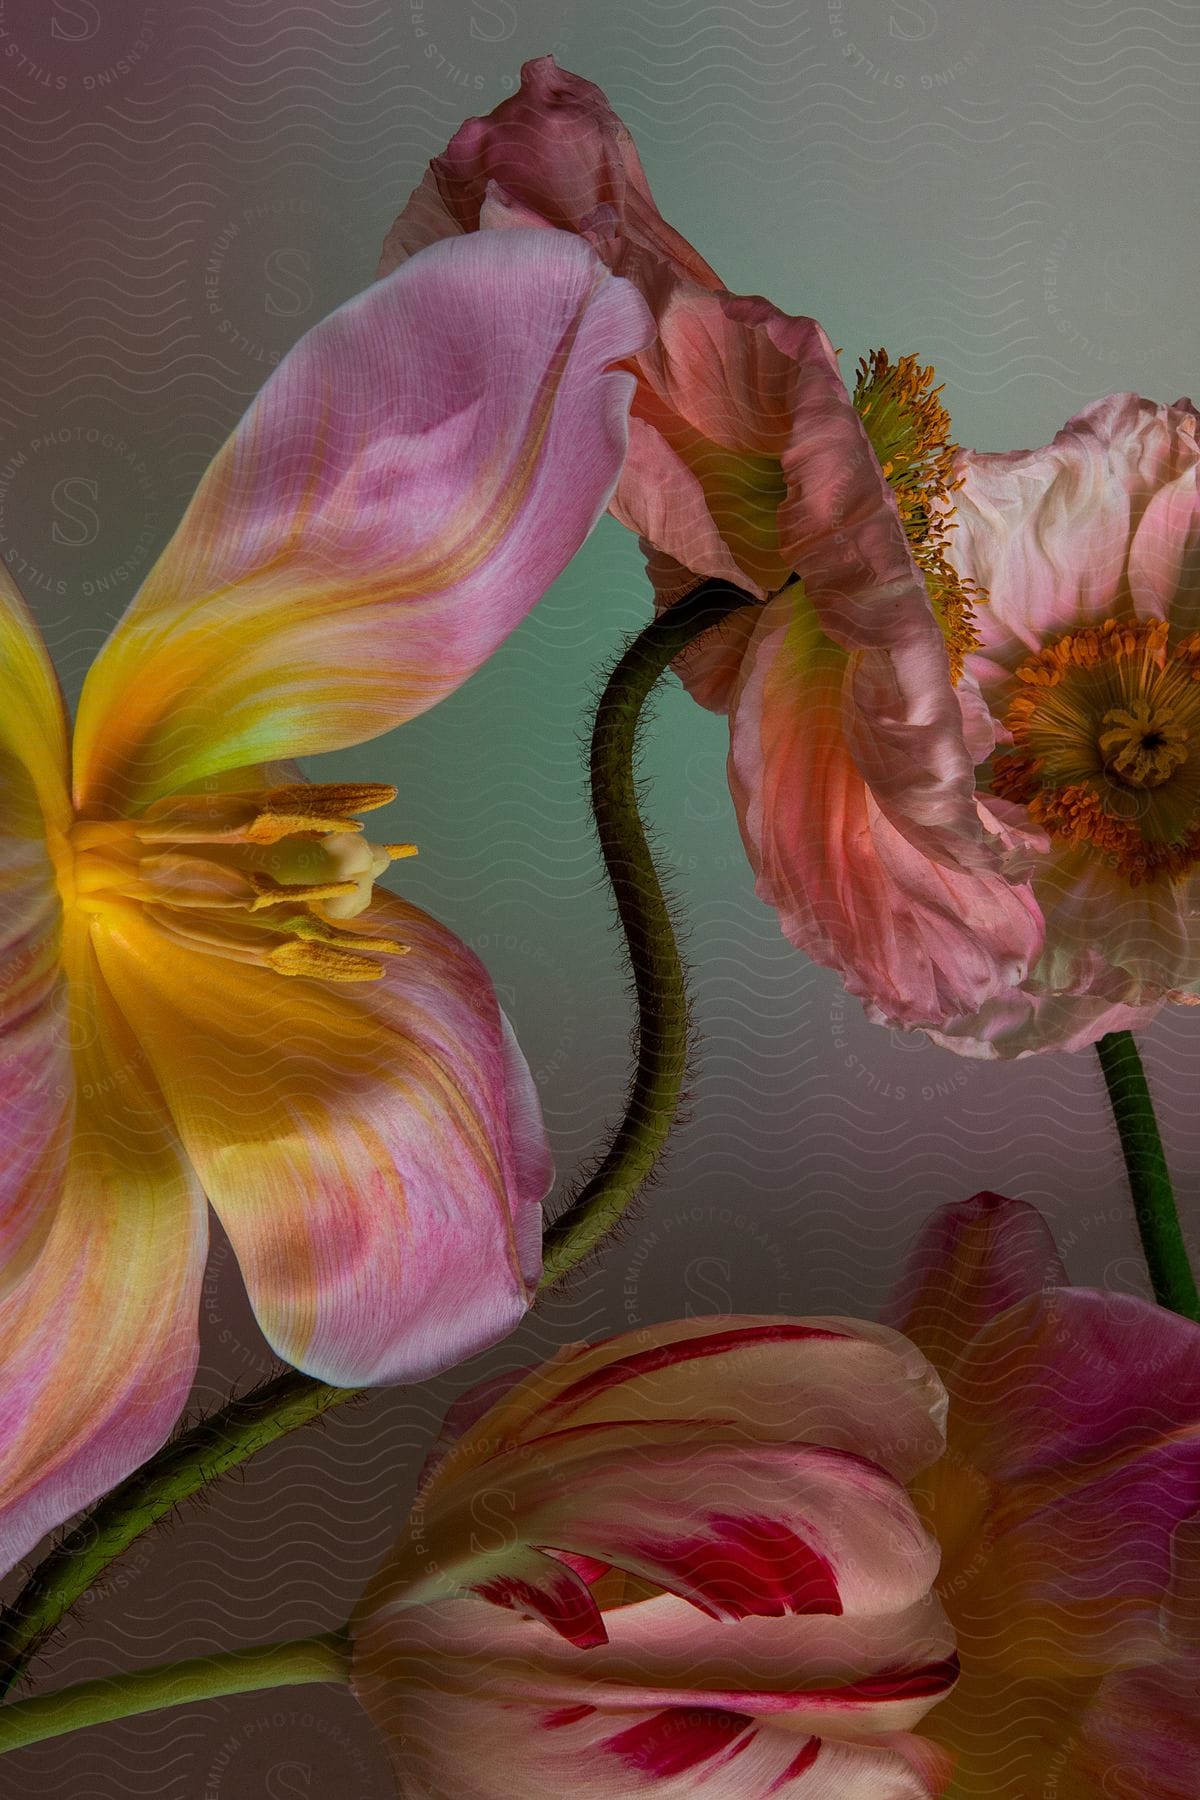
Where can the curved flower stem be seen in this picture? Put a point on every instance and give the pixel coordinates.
(199, 1455)
(660, 986)
(1149, 1180)
(179, 1470)
(149, 1690)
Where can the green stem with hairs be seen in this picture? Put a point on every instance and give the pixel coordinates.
(1149, 1179)
(179, 1684)
(249, 1423)
(662, 1032)
(179, 1470)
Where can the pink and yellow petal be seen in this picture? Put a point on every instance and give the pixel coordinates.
(921, 941)
(375, 1152)
(33, 722)
(101, 1335)
(409, 482)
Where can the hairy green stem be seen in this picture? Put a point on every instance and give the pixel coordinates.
(198, 1456)
(662, 1033)
(179, 1684)
(179, 1470)
(1149, 1179)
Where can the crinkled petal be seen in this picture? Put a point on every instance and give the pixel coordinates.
(101, 1336)
(663, 1706)
(36, 1084)
(375, 1152)
(1024, 1024)
(1102, 523)
(845, 1383)
(557, 148)
(406, 486)
(922, 942)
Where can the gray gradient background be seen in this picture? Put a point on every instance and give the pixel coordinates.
(1007, 189)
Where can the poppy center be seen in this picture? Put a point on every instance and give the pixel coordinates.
(1105, 726)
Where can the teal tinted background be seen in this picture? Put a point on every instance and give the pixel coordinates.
(1008, 191)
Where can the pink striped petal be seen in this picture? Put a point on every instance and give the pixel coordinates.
(35, 1066)
(853, 1386)
(101, 1336)
(562, 155)
(663, 1706)
(409, 482)
(375, 1151)
(921, 941)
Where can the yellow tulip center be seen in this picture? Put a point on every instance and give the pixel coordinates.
(271, 876)
(1105, 726)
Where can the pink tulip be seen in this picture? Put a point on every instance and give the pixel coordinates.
(201, 991)
(682, 1559)
(748, 461)
(1085, 688)
(1067, 1508)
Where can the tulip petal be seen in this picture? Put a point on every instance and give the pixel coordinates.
(845, 1383)
(664, 1705)
(35, 1066)
(971, 1262)
(922, 942)
(406, 486)
(375, 1152)
(101, 1336)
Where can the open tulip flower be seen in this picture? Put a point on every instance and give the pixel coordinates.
(201, 992)
(750, 461)
(682, 1560)
(1067, 1509)
(1086, 683)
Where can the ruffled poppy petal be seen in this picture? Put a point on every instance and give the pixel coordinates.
(921, 941)
(971, 1262)
(375, 1152)
(35, 1065)
(406, 486)
(557, 1718)
(556, 147)
(101, 1336)
(854, 1386)
(1102, 523)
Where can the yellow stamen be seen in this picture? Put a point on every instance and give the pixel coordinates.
(397, 852)
(909, 430)
(323, 962)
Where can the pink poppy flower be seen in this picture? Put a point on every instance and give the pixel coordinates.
(1067, 1508)
(682, 1559)
(1086, 684)
(201, 991)
(749, 461)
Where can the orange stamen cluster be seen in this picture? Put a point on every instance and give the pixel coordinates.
(1105, 726)
(909, 429)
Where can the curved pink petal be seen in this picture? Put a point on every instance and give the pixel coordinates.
(35, 1066)
(375, 1151)
(850, 1385)
(922, 942)
(406, 486)
(661, 1705)
(971, 1262)
(101, 1335)
(736, 1527)
(557, 148)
